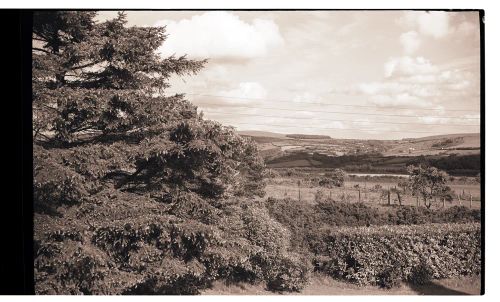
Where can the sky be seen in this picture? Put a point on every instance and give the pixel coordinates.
(346, 74)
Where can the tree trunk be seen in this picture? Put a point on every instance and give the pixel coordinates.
(427, 203)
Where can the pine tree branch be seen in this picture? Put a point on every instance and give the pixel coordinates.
(42, 50)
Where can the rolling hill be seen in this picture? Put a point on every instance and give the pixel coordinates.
(457, 153)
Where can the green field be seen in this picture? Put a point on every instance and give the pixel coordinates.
(369, 191)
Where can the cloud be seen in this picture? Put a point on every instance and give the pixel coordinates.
(408, 66)
(459, 119)
(219, 34)
(401, 99)
(416, 83)
(306, 97)
(410, 41)
(435, 23)
(245, 93)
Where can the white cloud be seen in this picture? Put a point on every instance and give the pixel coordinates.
(460, 119)
(393, 88)
(400, 99)
(410, 41)
(245, 93)
(219, 34)
(435, 23)
(415, 83)
(307, 97)
(408, 66)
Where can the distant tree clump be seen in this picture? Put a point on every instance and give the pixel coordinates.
(134, 192)
(333, 179)
(308, 136)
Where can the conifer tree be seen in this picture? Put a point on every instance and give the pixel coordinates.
(134, 192)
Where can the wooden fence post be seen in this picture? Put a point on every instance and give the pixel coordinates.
(459, 199)
(470, 202)
(298, 183)
(359, 194)
(389, 196)
(366, 195)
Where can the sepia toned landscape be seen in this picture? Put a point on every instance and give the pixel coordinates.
(257, 153)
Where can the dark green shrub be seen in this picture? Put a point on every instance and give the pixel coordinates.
(290, 273)
(420, 274)
(336, 178)
(390, 277)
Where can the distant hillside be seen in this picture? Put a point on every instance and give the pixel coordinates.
(308, 136)
(458, 154)
(261, 134)
(460, 143)
(457, 165)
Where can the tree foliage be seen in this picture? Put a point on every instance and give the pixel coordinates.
(429, 183)
(336, 178)
(135, 192)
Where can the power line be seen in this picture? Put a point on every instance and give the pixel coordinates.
(345, 129)
(330, 120)
(351, 113)
(321, 103)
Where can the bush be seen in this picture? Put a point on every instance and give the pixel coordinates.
(290, 273)
(390, 277)
(346, 214)
(136, 245)
(363, 255)
(336, 178)
(298, 217)
(420, 274)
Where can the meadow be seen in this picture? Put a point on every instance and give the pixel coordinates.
(367, 189)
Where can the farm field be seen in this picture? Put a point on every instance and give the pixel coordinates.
(459, 144)
(369, 191)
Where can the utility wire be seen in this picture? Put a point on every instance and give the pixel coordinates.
(321, 103)
(351, 113)
(345, 129)
(330, 120)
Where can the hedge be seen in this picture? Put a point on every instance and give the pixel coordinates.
(378, 255)
(304, 219)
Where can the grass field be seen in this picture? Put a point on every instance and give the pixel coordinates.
(323, 285)
(369, 192)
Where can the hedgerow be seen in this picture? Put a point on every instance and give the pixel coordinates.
(364, 255)
(304, 219)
